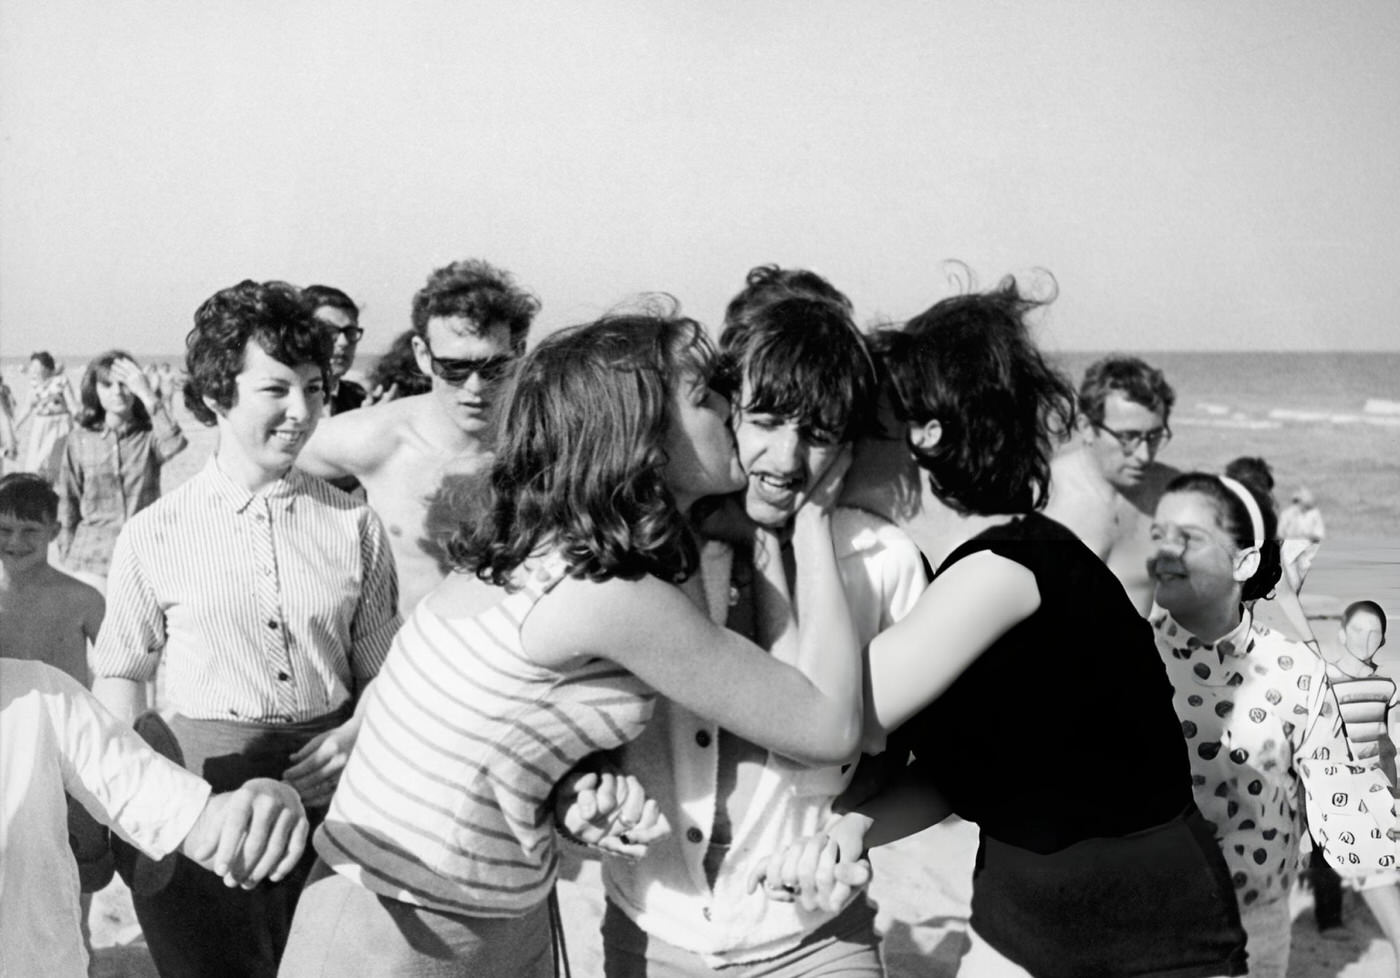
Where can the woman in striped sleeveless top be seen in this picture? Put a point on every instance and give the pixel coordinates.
(439, 851)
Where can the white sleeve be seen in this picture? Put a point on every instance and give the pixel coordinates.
(147, 800)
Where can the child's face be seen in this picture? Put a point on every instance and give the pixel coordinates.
(1362, 635)
(24, 544)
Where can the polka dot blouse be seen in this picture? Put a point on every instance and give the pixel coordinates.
(1250, 703)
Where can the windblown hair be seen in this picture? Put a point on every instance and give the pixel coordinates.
(804, 359)
(328, 295)
(580, 460)
(29, 497)
(398, 366)
(1233, 518)
(486, 295)
(1135, 379)
(93, 415)
(764, 283)
(969, 364)
(274, 315)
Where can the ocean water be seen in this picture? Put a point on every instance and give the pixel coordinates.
(1320, 419)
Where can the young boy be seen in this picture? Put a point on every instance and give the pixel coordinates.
(50, 617)
(56, 737)
(44, 613)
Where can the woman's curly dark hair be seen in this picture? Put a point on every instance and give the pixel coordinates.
(1234, 520)
(580, 460)
(969, 363)
(275, 315)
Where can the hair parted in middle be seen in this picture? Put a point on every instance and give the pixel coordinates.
(969, 363)
(580, 460)
(93, 415)
(483, 293)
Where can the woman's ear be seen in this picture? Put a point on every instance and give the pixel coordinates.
(1246, 564)
(924, 437)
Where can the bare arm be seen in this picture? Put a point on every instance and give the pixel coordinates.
(352, 444)
(126, 698)
(967, 608)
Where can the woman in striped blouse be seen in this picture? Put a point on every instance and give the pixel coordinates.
(439, 850)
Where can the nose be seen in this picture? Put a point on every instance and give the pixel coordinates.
(299, 406)
(786, 448)
(1142, 452)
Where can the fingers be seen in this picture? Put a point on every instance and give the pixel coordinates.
(263, 834)
(296, 845)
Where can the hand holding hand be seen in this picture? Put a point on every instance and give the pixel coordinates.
(610, 812)
(822, 871)
(254, 833)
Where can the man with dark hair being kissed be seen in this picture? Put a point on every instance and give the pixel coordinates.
(803, 388)
(470, 322)
(1106, 483)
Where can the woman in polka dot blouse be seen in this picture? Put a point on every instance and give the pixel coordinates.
(1252, 702)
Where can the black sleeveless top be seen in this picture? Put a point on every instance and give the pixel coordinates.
(1062, 743)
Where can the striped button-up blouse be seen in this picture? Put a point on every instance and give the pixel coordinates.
(273, 606)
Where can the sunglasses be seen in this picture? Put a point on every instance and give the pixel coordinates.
(458, 372)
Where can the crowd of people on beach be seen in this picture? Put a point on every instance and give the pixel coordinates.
(725, 613)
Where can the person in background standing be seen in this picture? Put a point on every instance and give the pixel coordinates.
(111, 462)
(339, 313)
(52, 405)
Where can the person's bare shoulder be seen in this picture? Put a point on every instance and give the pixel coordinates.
(1082, 500)
(358, 442)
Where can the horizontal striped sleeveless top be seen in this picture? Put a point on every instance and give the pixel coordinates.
(444, 802)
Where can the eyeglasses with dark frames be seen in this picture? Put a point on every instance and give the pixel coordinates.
(1130, 439)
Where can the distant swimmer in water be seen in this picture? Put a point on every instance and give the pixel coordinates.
(1106, 483)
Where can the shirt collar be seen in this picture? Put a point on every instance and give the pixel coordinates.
(1234, 645)
(279, 494)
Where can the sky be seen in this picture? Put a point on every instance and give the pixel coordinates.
(1195, 175)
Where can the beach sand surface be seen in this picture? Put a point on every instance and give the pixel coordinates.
(922, 884)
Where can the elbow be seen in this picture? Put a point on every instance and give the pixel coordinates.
(840, 743)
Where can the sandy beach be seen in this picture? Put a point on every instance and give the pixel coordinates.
(921, 885)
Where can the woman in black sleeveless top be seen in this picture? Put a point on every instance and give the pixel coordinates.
(1025, 681)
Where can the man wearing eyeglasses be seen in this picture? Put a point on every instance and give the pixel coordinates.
(416, 456)
(1106, 483)
(341, 316)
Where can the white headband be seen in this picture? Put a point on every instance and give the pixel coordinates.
(1251, 505)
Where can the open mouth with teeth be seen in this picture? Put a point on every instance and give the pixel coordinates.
(773, 485)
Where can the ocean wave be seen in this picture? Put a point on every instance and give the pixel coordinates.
(1242, 423)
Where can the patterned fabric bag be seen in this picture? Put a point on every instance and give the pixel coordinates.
(1349, 809)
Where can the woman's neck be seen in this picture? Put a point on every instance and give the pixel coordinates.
(1211, 623)
(937, 529)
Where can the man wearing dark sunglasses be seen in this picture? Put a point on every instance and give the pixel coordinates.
(416, 455)
(1106, 483)
(341, 317)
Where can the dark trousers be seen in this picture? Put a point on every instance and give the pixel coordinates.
(196, 927)
(1327, 891)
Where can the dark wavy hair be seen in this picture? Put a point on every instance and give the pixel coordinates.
(970, 364)
(1234, 520)
(45, 359)
(317, 296)
(486, 295)
(580, 459)
(804, 359)
(1135, 379)
(764, 283)
(274, 315)
(93, 415)
(399, 366)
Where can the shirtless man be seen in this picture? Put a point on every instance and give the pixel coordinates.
(1105, 484)
(415, 454)
(44, 613)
